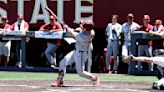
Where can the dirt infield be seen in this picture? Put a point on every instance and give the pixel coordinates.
(74, 86)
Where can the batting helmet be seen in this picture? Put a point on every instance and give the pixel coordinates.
(158, 52)
(88, 24)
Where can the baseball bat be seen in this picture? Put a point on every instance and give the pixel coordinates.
(52, 13)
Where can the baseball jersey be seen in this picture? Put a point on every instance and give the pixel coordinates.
(113, 31)
(128, 29)
(146, 29)
(158, 60)
(83, 40)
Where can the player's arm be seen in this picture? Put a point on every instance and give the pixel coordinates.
(143, 59)
(26, 29)
(44, 27)
(154, 33)
(70, 30)
(139, 59)
(58, 28)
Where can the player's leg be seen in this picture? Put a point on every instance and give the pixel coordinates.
(62, 69)
(50, 50)
(115, 48)
(108, 55)
(7, 52)
(160, 73)
(80, 59)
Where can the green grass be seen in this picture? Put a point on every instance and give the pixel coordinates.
(52, 76)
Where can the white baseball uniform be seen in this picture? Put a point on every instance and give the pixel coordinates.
(158, 60)
(80, 54)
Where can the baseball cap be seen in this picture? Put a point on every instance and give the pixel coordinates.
(52, 17)
(20, 16)
(88, 24)
(158, 22)
(146, 17)
(4, 17)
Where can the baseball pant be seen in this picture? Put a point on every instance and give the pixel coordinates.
(113, 47)
(50, 52)
(79, 58)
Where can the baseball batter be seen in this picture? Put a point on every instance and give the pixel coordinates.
(79, 55)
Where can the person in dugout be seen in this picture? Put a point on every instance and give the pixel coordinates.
(23, 26)
(52, 45)
(5, 45)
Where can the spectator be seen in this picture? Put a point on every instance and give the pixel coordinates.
(158, 30)
(5, 45)
(52, 45)
(113, 31)
(145, 46)
(23, 26)
(128, 27)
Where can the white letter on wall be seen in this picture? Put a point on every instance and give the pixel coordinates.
(82, 9)
(36, 16)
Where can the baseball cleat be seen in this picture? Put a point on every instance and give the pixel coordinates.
(57, 83)
(96, 82)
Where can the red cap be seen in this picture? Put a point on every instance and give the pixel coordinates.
(4, 17)
(52, 17)
(158, 22)
(146, 17)
(20, 16)
(130, 15)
